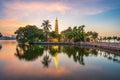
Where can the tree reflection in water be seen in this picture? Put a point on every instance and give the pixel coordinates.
(32, 52)
(46, 59)
(28, 52)
(110, 56)
(0, 46)
(78, 53)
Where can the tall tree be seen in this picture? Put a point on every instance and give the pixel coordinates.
(46, 27)
(105, 38)
(95, 35)
(53, 34)
(118, 39)
(109, 38)
(1, 34)
(114, 38)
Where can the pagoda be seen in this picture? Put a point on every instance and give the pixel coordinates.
(56, 26)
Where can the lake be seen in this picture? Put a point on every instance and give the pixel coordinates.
(37, 62)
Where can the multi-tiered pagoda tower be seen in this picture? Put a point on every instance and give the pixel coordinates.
(56, 26)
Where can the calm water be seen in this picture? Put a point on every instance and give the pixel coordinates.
(19, 62)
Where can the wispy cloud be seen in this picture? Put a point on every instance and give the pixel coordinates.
(17, 12)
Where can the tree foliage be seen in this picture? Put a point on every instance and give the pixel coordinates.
(53, 34)
(1, 34)
(93, 35)
(46, 27)
(77, 33)
(28, 33)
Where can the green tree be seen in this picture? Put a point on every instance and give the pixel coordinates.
(29, 52)
(105, 38)
(1, 34)
(100, 38)
(53, 34)
(95, 35)
(69, 35)
(79, 34)
(28, 34)
(109, 38)
(114, 38)
(118, 39)
(46, 27)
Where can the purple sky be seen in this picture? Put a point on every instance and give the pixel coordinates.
(102, 16)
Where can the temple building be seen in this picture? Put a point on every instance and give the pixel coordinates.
(56, 31)
(56, 26)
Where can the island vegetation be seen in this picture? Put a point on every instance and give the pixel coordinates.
(31, 33)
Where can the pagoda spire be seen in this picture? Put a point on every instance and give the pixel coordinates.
(56, 26)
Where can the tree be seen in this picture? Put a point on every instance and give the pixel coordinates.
(109, 38)
(67, 34)
(79, 34)
(53, 34)
(28, 34)
(105, 38)
(0, 46)
(114, 38)
(1, 34)
(28, 52)
(118, 39)
(95, 35)
(46, 27)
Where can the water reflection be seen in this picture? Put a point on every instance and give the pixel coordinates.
(35, 62)
(0, 46)
(113, 57)
(28, 52)
(31, 52)
(79, 53)
(46, 59)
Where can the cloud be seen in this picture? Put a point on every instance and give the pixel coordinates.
(20, 12)
(36, 6)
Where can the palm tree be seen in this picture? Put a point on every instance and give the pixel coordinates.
(95, 35)
(114, 38)
(1, 34)
(109, 38)
(46, 59)
(118, 39)
(105, 38)
(46, 27)
(100, 38)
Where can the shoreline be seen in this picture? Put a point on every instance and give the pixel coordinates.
(103, 45)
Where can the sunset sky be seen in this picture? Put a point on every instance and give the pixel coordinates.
(102, 16)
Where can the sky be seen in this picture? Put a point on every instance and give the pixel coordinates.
(102, 16)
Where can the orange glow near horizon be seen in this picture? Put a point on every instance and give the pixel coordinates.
(16, 13)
